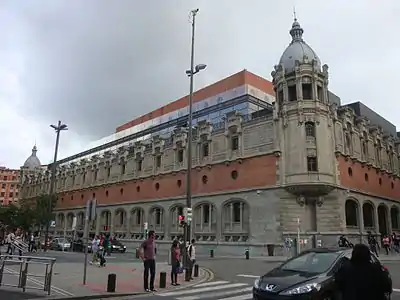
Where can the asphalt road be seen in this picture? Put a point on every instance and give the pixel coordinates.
(234, 279)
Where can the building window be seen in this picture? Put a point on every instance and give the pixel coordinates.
(11, 195)
(123, 167)
(205, 150)
(307, 91)
(95, 175)
(380, 181)
(106, 193)
(73, 180)
(157, 186)
(310, 129)
(206, 213)
(138, 189)
(237, 212)
(235, 143)
(139, 165)
(366, 177)
(158, 161)
(312, 164)
(234, 174)
(179, 183)
(83, 178)
(350, 171)
(204, 179)
(108, 172)
(320, 93)
(3, 185)
(180, 156)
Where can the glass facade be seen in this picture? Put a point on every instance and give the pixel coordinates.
(245, 108)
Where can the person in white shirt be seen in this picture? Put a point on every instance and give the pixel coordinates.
(95, 249)
(10, 240)
(191, 250)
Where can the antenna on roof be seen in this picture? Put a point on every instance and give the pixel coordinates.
(294, 13)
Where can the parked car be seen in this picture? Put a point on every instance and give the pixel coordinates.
(309, 275)
(117, 246)
(60, 244)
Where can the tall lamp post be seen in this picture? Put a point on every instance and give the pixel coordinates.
(57, 128)
(194, 69)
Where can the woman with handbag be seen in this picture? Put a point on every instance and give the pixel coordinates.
(175, 262)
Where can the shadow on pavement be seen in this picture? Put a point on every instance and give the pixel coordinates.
(18, 295)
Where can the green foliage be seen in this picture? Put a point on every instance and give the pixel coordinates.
(39, 213)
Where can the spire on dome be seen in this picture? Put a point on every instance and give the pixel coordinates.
(296, 32)
(34, 150)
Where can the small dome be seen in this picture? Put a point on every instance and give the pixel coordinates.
(33, 161)
(298, 49)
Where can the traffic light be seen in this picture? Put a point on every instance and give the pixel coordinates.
(181, 220)
(189, 215)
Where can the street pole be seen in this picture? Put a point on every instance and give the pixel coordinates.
(58, 128)
(190, 125)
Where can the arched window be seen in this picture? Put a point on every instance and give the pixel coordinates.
(368, 215)
(351, 208)
(394, 215)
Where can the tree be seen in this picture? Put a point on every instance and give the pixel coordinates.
(13, 216)
(44, 207)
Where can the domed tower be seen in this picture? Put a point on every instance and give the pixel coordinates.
(303, 115)
(31, 165)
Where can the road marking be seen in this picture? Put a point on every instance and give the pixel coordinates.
(40, 283)
(241, 297)
(211, 283)
(218, 294)
(202, 290)
(248, 276)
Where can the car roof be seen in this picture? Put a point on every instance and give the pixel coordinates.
(328, 250)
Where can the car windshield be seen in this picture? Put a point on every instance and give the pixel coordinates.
(63, 240)
(312, 262)
(116, 243)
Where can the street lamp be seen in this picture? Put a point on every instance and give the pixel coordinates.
(190, 73)
(57, 128)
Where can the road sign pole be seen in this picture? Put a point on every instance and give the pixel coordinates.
(90, 216)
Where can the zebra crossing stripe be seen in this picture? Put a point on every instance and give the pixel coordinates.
(203, 290)
(218, 294)
(241, 297)
(210, 283)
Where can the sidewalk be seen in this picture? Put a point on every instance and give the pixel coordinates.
(67, 279)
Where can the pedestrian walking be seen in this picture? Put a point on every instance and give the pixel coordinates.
(386, 244)
(95, 250)
(373, 244)
(147, 253)
(175, 262)
(361, 279)
(192, 257)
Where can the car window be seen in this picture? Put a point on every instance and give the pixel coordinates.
(312, 262)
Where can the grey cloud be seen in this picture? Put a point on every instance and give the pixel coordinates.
(97, 64)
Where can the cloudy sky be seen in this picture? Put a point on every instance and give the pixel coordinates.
(96, 64)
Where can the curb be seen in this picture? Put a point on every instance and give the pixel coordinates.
(209, 276)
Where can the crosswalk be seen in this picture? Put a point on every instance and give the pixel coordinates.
(216, 290)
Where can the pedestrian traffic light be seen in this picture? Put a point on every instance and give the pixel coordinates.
(181, 220)
(189, 215)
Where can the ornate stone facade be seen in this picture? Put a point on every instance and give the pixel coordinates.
(256, 179)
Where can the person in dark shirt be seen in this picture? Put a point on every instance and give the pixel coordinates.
(373, 244)
(175, 262)
(361, 279)
(148, 255)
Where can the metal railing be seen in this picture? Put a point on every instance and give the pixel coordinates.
(23, 271)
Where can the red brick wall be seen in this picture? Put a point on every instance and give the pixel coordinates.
(252, 173)
(378, 184)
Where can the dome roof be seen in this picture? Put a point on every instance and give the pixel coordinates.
(298, 49)
(32, 161)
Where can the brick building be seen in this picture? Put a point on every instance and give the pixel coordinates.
(9, 186)
(269, 158)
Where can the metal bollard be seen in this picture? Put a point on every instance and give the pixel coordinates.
(196, 270)
(247, 253)
(163, 280)
(212, 253)
(111, 283)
